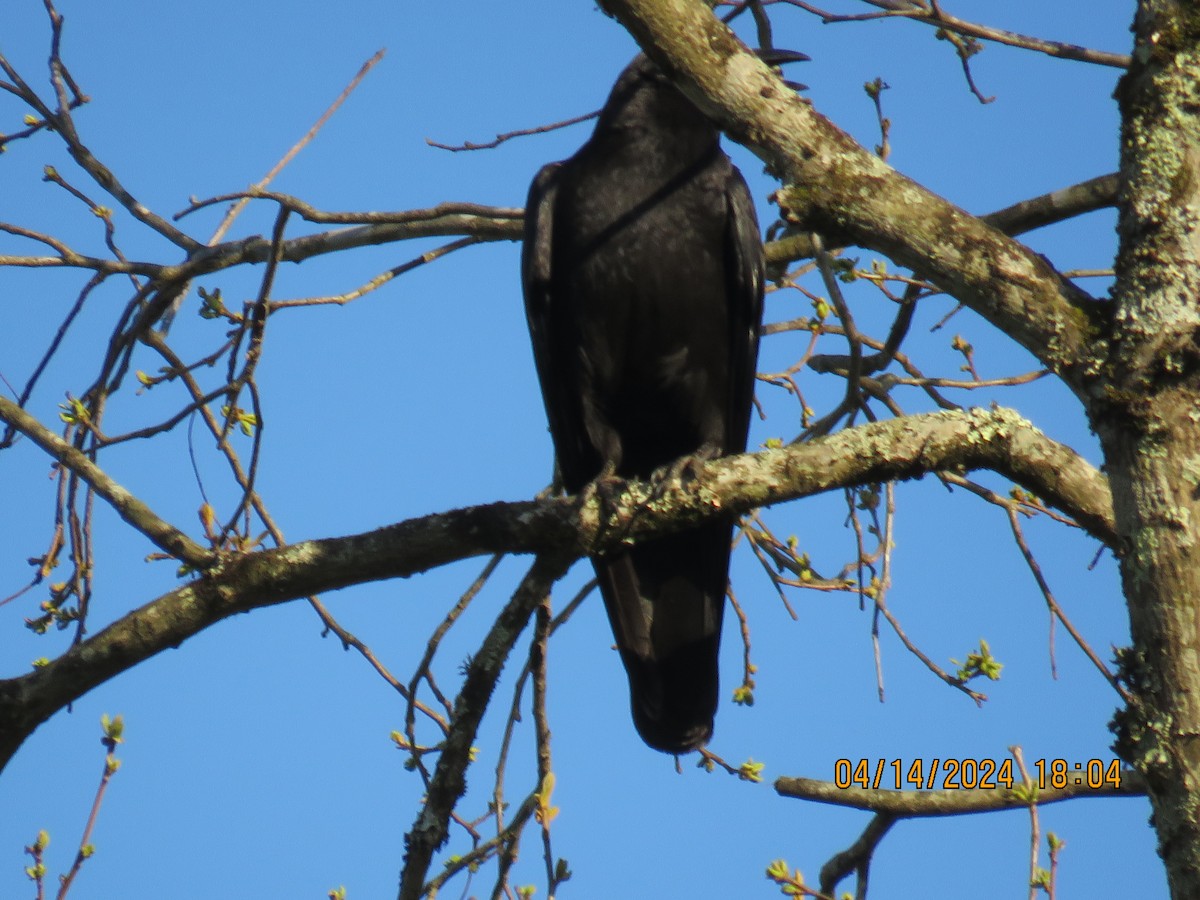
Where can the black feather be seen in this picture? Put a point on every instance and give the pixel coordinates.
(643, 270)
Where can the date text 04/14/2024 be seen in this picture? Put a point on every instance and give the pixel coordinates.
(972, 774)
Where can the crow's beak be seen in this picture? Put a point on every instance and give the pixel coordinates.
(775, 57)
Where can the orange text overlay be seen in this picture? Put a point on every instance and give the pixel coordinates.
(954, 774)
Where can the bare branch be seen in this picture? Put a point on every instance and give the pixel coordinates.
(1057, 206)
(128, 507)
(69, 258)
(298, 146)
(379, 280)
(1056, 611)
(509, 135)
(310, 213)
(104, 177)
(856, 857)
(449, 219)
(933, 15)
(430, 829)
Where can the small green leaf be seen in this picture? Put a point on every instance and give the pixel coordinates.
(114, 728)
(979, 662)
(751, 771)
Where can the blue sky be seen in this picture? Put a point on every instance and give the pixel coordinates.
(257, 762)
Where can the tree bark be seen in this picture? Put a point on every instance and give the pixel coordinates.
(1148, 420)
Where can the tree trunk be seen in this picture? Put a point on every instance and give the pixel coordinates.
(1148, 420)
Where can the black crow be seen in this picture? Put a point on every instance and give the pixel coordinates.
(643, 274)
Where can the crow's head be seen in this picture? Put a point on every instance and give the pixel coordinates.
(644, 93)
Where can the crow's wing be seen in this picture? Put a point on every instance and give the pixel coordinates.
(746, 266)
(552, 350)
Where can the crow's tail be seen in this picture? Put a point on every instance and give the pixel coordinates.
(665, 599)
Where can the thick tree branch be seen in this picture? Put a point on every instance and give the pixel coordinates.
(1026, 215)
(919, 804)
(883, 451)
(837, 188)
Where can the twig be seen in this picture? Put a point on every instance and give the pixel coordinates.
(494, 845)
(1056, 611)
(113, 729)
(379, 280)
(1035, 837)
(545, 813)
(507, 857)
(507, 136)
(916, 651)
(93, 282)
(423, 670)
(429, 831)
(921, 12)
(744, 693)
(127, 506)
(237, 207)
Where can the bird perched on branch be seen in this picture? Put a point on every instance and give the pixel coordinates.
(643, 274)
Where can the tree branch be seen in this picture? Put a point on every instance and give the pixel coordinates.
(932, 15)
(450, 219)
(856, 857)
(1057, 206)
(429, 832)
(883, 451)
(1025, 215)
(164, 535)
(484, 223)
(921, 804)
